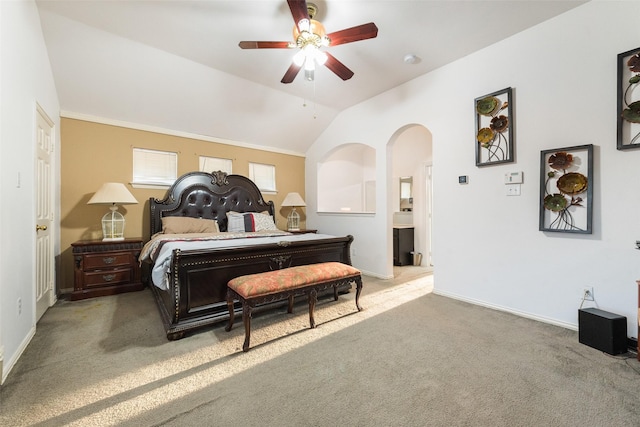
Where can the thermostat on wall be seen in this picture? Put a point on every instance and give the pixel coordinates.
(513, 178)
(463, 179)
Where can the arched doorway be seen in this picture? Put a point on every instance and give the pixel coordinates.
(410, 160)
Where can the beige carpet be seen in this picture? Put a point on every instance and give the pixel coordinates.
(410, 358)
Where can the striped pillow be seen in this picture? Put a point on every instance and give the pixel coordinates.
(249, 221)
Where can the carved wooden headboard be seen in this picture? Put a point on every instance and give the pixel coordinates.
(209, 196)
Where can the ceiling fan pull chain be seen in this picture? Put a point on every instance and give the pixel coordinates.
(314, 99)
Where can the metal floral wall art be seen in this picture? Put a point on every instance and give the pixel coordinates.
(494, 128)
(629, 99)
(566, 189)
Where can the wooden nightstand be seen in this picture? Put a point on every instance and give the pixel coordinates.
(106, 268)
(302, 231)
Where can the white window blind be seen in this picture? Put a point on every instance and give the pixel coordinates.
(152, 167)
(212, 164)
(264, 176)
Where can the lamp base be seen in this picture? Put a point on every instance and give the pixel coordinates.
(113, 225)
(112, 239)
(293, 220)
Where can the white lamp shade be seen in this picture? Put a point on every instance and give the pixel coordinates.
(112, 193)
(293, 199)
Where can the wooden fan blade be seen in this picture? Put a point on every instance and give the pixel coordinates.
(263, 45)
(338, 67)
(291, 73)
(298, 10)
(353, 34)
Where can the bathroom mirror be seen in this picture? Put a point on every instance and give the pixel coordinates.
(406, 195)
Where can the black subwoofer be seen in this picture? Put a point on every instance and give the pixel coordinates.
(602, 330)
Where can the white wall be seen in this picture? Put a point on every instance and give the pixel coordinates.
(487, 247)
(344, 174)
(26, 79)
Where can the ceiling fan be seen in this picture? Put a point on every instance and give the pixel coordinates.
(309, 37)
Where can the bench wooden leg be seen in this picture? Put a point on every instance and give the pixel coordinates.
(313, 297)
(358, 290)
(246, 319)
(290, 307)
(231, 311)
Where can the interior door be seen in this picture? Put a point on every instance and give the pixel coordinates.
(45, 295)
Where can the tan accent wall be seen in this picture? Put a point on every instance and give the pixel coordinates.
(94, 153)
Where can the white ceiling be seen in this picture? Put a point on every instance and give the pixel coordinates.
(177, 65)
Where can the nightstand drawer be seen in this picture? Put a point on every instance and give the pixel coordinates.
(107, 277)
(108, 260)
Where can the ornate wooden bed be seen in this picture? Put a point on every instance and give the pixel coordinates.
(197, 282)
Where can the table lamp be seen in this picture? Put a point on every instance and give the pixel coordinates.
(293, 220)
(112, 193)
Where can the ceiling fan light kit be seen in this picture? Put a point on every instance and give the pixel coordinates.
(309, 37)
(309, 32)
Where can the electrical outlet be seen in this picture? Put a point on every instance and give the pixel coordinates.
(19, 306)
(587, 293)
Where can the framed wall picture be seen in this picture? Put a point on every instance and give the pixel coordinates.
(566, 189)
(494, 128)
(629, 99)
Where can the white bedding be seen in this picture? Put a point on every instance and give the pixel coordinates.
(160, 248)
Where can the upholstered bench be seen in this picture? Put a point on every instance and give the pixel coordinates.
(260, 288)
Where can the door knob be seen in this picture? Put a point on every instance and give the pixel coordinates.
(41, 227)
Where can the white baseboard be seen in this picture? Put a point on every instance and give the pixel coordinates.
(543, 319)
(6, 368)
(376, 275)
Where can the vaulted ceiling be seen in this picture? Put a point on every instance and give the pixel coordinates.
(176, 64)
